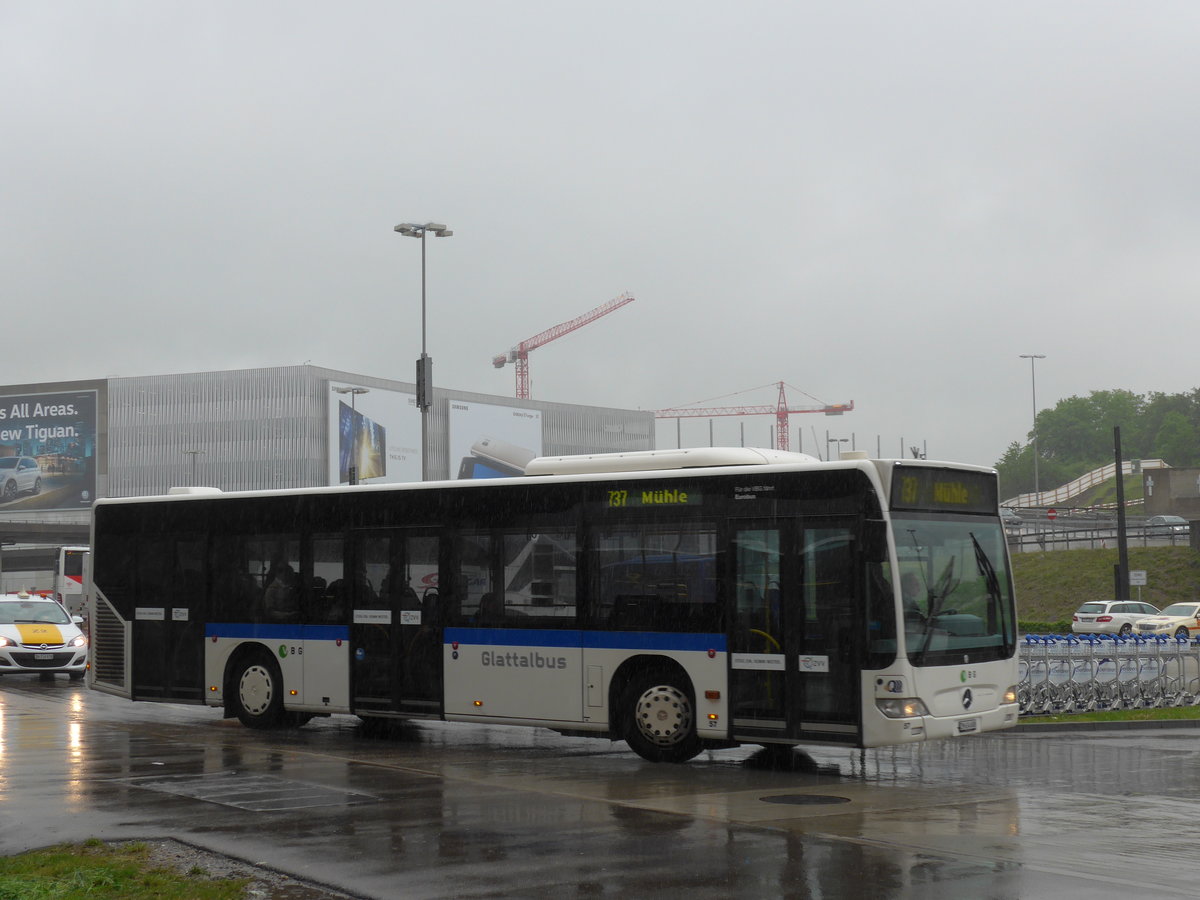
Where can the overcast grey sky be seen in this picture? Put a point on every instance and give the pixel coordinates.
(878, 202)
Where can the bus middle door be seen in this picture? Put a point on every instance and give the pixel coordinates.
(396, 626)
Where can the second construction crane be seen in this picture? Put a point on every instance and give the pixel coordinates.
(520, 353)
(780, 410)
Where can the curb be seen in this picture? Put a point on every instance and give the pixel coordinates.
(1052, 727)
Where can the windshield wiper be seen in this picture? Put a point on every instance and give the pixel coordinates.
(984, 562)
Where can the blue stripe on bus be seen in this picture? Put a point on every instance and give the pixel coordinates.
(508, 637)
(592, 640)
(652, 640)
(277, 632)
(513, 637)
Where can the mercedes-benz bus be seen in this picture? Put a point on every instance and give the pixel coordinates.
(678, 600)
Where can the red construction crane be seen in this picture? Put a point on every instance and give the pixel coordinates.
(781, 411)
(520, 353)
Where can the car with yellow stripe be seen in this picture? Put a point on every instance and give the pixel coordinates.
(1179, 620)
(37, 635)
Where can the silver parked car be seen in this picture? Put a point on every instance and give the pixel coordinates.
(1110, 617)
(19, 475)
(1167, 525)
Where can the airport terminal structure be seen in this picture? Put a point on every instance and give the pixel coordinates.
(64, 444)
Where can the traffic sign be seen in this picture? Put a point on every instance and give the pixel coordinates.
(1137, 577)
(1052, 514)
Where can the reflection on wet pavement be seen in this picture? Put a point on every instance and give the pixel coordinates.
(436, 810)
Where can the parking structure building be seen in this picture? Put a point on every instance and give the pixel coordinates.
(268, 428)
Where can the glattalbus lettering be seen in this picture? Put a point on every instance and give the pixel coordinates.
(512, 660)
(664, 498)
(950, 492)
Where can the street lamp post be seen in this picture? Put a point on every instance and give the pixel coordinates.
(354, 392)
(832, 440)
(425, 363)
(1033, 358)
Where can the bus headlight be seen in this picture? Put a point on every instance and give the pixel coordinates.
(901, 707)
(1010, 696)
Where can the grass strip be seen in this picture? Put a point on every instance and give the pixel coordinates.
(1120, 715)
(95, 871)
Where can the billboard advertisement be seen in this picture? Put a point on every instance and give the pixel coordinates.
(376, 431)
(48, 450)
(489, 441)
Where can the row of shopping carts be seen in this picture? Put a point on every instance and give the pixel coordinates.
(1081, 673)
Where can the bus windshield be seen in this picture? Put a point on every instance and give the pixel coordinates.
(956, 590)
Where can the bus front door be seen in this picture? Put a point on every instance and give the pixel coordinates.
(792, 649)
(396, 624)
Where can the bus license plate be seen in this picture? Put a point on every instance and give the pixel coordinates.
(966, 726)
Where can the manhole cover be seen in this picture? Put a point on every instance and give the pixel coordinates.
(805, 799)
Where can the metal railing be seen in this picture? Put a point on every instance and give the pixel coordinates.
(1034, 538)
(1082, 484)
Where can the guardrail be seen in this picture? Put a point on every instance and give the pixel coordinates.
(1030, 538)
(1084, 673)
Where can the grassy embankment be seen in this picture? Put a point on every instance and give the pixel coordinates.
(1051, 585)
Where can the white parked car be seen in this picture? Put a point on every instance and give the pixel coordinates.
(1177, 620)
(1109, 616)
(37, 635)
(18, 475)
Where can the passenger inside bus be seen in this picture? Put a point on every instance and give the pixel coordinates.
(491, 610)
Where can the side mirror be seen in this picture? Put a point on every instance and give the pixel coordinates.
(78, 620)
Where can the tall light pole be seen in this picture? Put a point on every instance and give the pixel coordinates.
(832, 440)
(352, 469)
(1033, 358)
(425, 363)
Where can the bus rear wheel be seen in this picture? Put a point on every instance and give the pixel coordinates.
(258, 692)
(659, 719)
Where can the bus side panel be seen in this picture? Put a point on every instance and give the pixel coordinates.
(702, 657)
(513, 673)
(314, 661)
(326, 669)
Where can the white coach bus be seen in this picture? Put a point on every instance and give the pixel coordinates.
(678, 600)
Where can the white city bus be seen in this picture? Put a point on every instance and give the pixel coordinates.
(69, 567)
(678, 600)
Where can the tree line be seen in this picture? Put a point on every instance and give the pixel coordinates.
(1076, 436)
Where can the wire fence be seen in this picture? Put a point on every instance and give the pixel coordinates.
(1084, 673)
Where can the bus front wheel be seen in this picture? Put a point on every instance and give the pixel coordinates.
(660, 718)
(258, 692)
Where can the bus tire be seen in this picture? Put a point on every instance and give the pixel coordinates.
(258, 692)
(659, 718)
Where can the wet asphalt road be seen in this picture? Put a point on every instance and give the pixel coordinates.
(466, 811)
